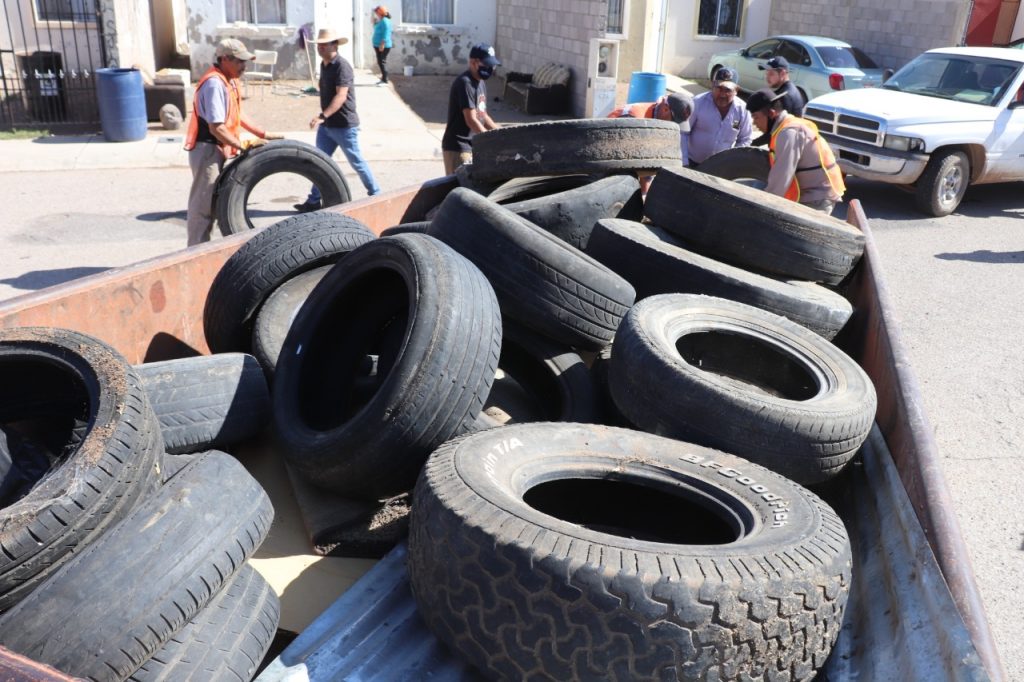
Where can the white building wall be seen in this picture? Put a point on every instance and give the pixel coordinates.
(687, 54)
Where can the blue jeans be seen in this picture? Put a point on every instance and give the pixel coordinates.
(329, 139)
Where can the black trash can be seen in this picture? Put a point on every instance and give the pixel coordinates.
(44, 85)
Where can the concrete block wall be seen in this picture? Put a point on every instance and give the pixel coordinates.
(534, 32)
(892, 32)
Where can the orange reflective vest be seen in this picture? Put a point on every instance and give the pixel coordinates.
(638, 110)
(826, 158)
(233, 122)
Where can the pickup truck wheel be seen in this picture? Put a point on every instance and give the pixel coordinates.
(574, 551)
(736, 378)
(943, 183)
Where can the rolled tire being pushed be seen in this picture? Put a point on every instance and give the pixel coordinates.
(274, 255)
(568, 551)
(746, 165)
(750, 228)
(278, 156)
(740, 379)
(391, 355)
(596, 145)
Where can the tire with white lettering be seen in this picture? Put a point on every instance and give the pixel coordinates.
(734, 377)
(274, 255)
(391, 355)
(570, 215)
(656, 262)
(85, 450)
(569, 551)
(593, 145)
(207, 402)
(278, 156)
(750, 228)
(541, 281)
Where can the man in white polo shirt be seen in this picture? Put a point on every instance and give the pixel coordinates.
(719, 120)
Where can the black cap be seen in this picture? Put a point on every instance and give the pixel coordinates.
(775, 63)
(725, 75)
(485, 53)
(762, 99)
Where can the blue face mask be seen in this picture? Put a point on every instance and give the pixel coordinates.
(485, 72)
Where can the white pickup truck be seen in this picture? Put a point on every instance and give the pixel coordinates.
(950, 118)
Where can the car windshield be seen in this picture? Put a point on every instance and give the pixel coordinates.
(842, 57)
(962, 78)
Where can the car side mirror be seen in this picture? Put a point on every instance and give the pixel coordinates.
(743, 52)
(1015, 105)
(887, 74)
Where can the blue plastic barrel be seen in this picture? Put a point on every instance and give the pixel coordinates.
(645, 86)
(122, 103)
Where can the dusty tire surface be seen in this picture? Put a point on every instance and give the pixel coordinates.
(656, 262)
(278, 156)
(750, 228)
(522, 189)
(76, 403)
(390, 356)
(555, 551)
(596, 145)
(733, 377)
(160, 566)
(746, 165)
(277, 314)
(541, 281)
(276, 254)
(207, 402)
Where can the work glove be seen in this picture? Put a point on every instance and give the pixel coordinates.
(252, 143)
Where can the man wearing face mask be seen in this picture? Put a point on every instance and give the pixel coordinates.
(467, 108)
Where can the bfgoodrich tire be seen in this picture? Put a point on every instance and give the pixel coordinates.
(567, 551)
(274, 255)
(279, 156)
(74, 400)
(390, 356)
(597, 145)
(751, 228)
(733, 377)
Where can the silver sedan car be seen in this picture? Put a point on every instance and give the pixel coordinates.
(816, 65)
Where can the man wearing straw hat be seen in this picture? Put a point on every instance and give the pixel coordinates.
(337, 124)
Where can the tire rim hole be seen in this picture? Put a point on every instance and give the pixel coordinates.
(761, 367)
(641, 512)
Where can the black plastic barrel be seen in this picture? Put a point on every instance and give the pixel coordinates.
(122, 102)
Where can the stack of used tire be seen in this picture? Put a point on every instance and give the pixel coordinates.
(560, 547)
(120, 561)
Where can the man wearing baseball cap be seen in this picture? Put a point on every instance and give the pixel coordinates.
(675, 107)
(776, 75)
(719, 120)
(214, 132)
(803, 167)
(467, 108)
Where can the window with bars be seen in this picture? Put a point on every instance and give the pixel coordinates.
(719, 18)
(65, 10)
(616, 17)
(255, 11)
(428, 11)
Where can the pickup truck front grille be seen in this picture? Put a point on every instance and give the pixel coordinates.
(850, 127)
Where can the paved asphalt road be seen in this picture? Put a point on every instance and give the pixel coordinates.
(956, 281)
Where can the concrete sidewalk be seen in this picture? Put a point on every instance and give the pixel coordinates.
(389, 131)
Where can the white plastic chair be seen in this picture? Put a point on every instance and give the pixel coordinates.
(262, 69)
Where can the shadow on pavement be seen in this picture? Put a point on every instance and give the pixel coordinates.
(40, 279)
(889, 202)
(162, 215)
(985, 256)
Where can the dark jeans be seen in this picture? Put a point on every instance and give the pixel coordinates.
(382, 58)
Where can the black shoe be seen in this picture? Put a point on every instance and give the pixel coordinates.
(308, 206)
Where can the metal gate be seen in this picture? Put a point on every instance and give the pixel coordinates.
(49, 53)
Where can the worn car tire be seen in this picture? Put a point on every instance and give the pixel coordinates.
(272, 256)
(541, 281)
(78, 400)
(277, 314)
(207, 402)
(733, 377)
(596, 145)
(418, 227)
(121, 599)
(569, 551)
(225, 641)
(522, 189)
(746, 165)
(943, 184)
(570, 215)
(278, 156)
(390, 356)
(751, 228)
(654, 262)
